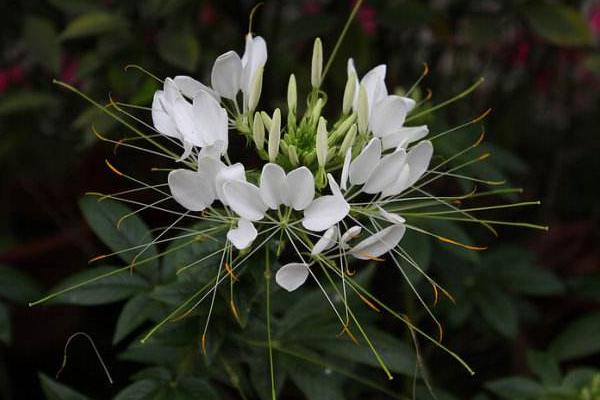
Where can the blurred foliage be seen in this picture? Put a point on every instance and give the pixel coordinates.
(541, 63)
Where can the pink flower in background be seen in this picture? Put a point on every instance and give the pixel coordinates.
(521, 52)
(367, 18)
(69, 67)
(312, 7)
(207, 15)
(16, 74)
(4, 79)
(594, 19)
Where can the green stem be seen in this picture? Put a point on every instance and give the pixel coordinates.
(269, 341)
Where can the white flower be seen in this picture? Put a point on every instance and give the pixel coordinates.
(326, 241)
(242, 236)
(326, 211)
(379, 243)
(291, 276)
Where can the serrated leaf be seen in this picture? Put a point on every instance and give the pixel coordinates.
(559, 24)
(93, 24)
(17, 286)
(57, 391)
(179, 48)
(106, 290)
(42, 42)
(103, 216)
(515, 388)
(135, 312)
(579, 339)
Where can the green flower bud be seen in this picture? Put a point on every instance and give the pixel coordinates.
(316, 71)
(342, 129)
(274, 135)
(266, 120)
(293, 155)
(321, 178)
(316, 111)
(292, 95)
(256, 89)
(348, 141)
(349, 93)
(258, 131)
(363, 110)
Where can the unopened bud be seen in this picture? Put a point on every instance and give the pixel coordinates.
(266, 120)
(256, 89)
(348, 141)
(317, 64)
(316, 111)
(293, 155)
(292, 95)
(274, 135)
(322, 142)
(258, 131)
(349, 93)
(363, 110)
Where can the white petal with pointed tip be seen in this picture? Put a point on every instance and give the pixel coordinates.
(242, 236)
(400, 184)
(230, 173)
(364, 164)
(255, 56)
(350, 234)
(193, 190)
(391, 217)
(292, 276)
(386, 172)
(301, 188)
(379, 243)
(244, 199)
(346, 169)
(183, 115)
(226, 75)
(388, 116)
(273, 186)
(211, 121)
(374, 82)
(404, 136)
(418, 158)
(190, 87)
(161, 120)
(325, 242)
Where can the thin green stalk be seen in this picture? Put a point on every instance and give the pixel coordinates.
(269, 341)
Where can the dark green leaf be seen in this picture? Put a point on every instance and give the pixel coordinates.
(544, 366)
(70, 7)
(17, 286)
(559, 24)
(93, 24)
(579, 339)
(194, 388)
(516, 388)
(137, 310)
(103, 216)
(24, 101)
(57, 391)
(141, 390)
(42, 42)
(498, 309)
(315, 383)
(179, 48)
(113, 288)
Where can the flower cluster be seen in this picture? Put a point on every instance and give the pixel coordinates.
(369, 149)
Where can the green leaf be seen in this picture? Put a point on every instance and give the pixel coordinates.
(315, 383)
(71, 7)
(579, 339)
(545, 366)
(103, 216)
(17, 286)
(194, 388)
(140, 390)
(42, 42)
(515, 388)
(179, 48)
(93, 24)
(57, 391)
(102, 291)
(5, 324)
(135, 312)
(24, 101)
(557, 23)
(497, 308)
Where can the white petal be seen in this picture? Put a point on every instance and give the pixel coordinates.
(244, 199)
(191, 189)
(273, 186)
(374, 82)
(410, 103)
(242, 236)
(215, 150)
(346, 169)
(187, 150)
(301, 188)
(404, 136)
(387, 116)
(183, 115)
(161, 120)
(351, 70)
(326, 211)
(379, 243)
(418, 158)
(386, 172)
(350, 234)
(362, 166)
(325, 242)
(211, 120)
(400, 184)
(255, 56)
(226, 74)
(230, 173)
(391, 217)
(190, 87)
(291, 276)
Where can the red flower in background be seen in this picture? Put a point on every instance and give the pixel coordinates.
(4, 80)
(594, 19)
(16, 74)
(312, 7)
(367, 18)
(69, 66)
(207, 15)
